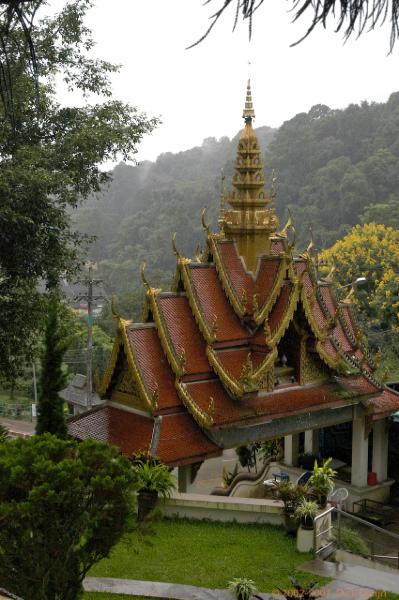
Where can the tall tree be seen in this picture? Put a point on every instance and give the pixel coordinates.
(51, 417)
(50, 157)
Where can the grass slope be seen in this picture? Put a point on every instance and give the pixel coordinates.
(208, 555)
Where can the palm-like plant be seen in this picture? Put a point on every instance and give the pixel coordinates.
(152, 477)
(306, 512)
(299, 591)
(243, 588)
(322, 481)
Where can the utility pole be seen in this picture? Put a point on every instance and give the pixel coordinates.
(90, 283)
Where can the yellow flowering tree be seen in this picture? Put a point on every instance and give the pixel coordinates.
(370, 251)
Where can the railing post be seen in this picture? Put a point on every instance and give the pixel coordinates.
(339, 528)
(314, 536)
(373, 544)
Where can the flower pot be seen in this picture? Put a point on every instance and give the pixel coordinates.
(291, 524)
(307, 523)
(146, 502)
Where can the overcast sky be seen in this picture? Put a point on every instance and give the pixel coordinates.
(200, 92)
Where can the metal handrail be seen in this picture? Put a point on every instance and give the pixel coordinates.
(320, 533)
(341, 513)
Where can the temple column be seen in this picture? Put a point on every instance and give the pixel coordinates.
(311, 445)
(291, 449)
(360, 446)
(380, 450)
(183, 478)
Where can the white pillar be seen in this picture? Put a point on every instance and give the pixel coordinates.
(380, 450)
(184, 478)
(360, 445)
(291, 449)
(311, 445)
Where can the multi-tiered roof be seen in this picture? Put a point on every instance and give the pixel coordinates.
(247, 345)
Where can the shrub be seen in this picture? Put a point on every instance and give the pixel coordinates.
(63, 505)
(353, 542)
(243, 588)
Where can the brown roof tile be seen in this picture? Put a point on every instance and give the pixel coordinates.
(213, 302)
(227, 410)
(129, 431)
(184, 333)
(153, 364)
(384, 404)
(266, 276)
(182, 441)
(280, 306)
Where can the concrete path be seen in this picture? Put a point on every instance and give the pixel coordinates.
(17, 427)
(363, 578)
(154, 589)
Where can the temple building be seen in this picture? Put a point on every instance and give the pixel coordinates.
(247, 346)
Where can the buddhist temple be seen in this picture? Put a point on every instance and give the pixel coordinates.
(247, 346)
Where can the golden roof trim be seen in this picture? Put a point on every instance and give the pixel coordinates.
(166, 342)
(264, 311)
(203, 418)
(225, 280)
(193, 301)
(229, 380)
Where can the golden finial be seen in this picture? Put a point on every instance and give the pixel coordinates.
(114, 310)
(330, 276)
(291, 245)
(350, 296)
(143, 277)
(211, 408)
(248, 113)
(204, 224)
(155, 397)
(174, 247)
(214, 326)
(182, 359)
(288, 224)
(198, 254)
(311, 243)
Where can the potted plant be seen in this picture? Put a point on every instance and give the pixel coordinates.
(290, 495)
(152, 480)
(306, 512)
(322, 481)
(300, 591)
(243, 588)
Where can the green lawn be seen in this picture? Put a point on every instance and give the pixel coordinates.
(208, 555)
(384, 596)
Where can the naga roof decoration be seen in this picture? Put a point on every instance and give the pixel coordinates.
(247, 336)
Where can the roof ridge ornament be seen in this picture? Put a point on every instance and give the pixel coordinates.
(114, 309)
(203, 222)
(144, 278)
(174, 247)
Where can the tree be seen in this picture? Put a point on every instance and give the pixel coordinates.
(351, 16)
(51, 417)
(63, 505)
(50, 157)
(370, 251)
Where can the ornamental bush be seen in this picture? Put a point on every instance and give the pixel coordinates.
(63, 505)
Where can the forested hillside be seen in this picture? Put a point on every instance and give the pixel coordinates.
(335, 168)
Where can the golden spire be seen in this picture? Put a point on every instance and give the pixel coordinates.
(251, 220)
(249, 112)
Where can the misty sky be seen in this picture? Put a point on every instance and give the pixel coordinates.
(200, 92)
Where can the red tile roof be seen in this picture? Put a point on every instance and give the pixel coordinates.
(153, 364)
(359, 384)
(233, 360)
(277, 247)
(234, 267)
(129, 431)
(227, 410)
(280, 306)
(184, 333)
(181, 440)
(295, 400)
(266, 276)
(213, 302)
(384, 404)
